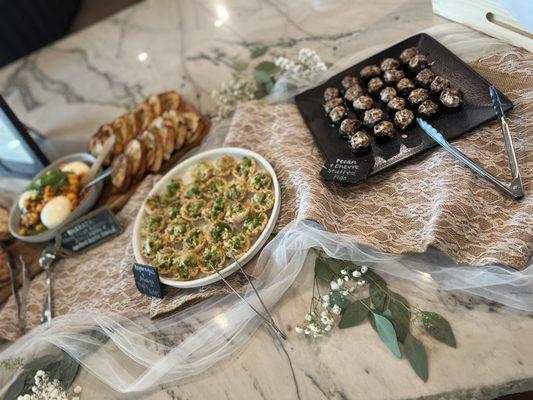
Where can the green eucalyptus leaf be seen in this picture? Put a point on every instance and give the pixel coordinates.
(370, 316)
(438, 327)
(379, 293)
(65, 371)
(261, 76)
(371, 276)
(258, 51)
(416, 354)
(387, 334)
(40, 363)
(355, 314)
(399, 314)
(20, 386)
(336, 265)
(336, 297)
(239, 65)
(322, 271)
(268, 67)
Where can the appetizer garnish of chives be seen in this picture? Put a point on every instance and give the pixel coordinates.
(212, 258)
(244, 168)
(202, 171)
(220, 231)
(224, 165)
(236, 191)
(192, 190)
(215, 187)
(254, 224)
(263, 200)
(174, 187)
(215, 209)
(237, 245)
(261, 180)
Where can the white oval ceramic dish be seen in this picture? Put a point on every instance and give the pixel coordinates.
(88, 202)
(182, 170)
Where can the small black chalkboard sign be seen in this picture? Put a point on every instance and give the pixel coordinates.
(346, 170)
(88, 231)
(147, 280)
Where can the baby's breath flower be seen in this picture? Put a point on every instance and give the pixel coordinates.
(336, 309)
(231, 93)
(364, 269)
(356, 274)
(298, 329)
(334, 285)
(46, 390)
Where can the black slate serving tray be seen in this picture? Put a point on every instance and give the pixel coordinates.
(343, 166)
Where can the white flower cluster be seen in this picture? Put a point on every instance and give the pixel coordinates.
(322, 316)
(308, 64)
(231, 93)
(44, 389)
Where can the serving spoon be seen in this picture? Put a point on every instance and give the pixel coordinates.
(98, 178)
(106, 149)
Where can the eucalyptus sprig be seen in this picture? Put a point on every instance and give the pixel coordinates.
(259, 82)
(388, 312)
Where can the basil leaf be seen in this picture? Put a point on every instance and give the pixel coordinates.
(438, 327)
(355, 314)
(55, 179)
(387, 334)
(416, 354)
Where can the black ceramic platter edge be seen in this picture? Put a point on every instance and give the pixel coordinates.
(344, 166)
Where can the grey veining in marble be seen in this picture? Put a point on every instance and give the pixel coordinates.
(69, 88)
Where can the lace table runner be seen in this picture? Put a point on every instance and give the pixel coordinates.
(430, 201)
(101, 280)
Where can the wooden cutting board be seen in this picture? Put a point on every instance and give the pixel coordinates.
(115, 201)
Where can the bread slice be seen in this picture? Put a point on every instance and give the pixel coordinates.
(120, 177)
(143, 116)
(4, 229)
(159, 150)
(134, 154)
(170, 100)
(148, 140)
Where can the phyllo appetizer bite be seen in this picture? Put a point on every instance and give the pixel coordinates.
(236, 212)
(262, 201)
(224, 165)
(195, 240)
(260, 180)
(254, 224)
(244, 168)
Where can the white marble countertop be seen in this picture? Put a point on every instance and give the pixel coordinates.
(69, 88)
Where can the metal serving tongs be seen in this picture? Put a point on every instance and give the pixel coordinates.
(48, 255)
(269, 320)
(515, 189)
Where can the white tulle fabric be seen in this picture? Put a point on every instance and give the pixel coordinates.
(136, 356)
